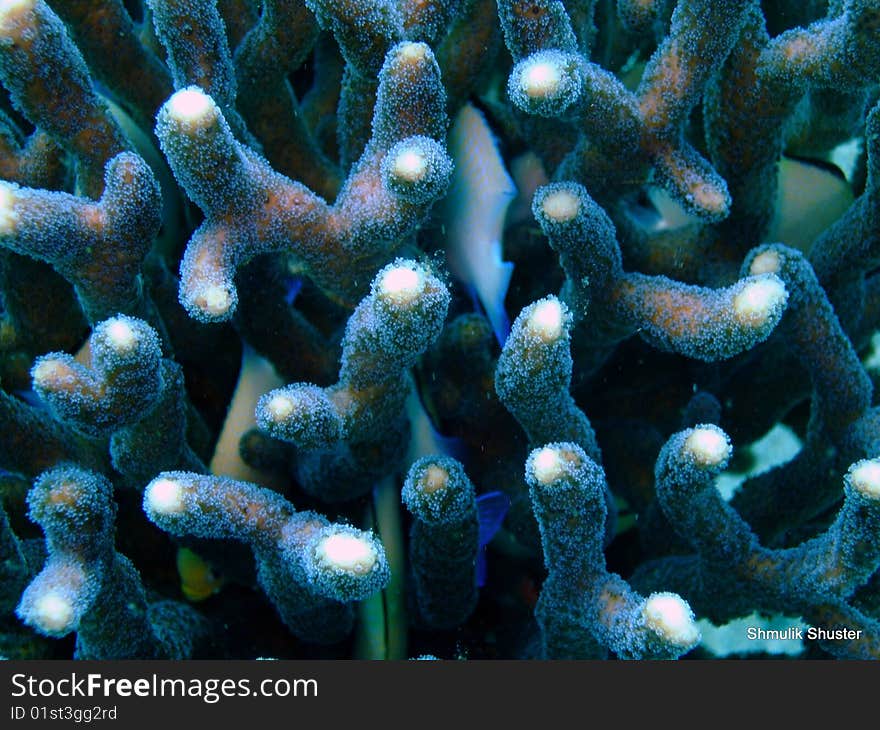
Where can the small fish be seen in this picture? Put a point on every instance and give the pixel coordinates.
(294, 285)
(197, 580)
(659, 211)
(812, 194)
(476, 208)
(491, 509)
(31, 398)
(425, 439)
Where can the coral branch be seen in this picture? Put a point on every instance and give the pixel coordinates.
(310, 569)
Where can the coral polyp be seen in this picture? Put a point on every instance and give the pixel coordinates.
(453, 328)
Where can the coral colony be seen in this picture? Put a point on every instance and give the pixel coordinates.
(454, 328)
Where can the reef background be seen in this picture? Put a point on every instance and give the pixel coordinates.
(391, 328)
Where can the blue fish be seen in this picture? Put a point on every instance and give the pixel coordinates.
(294, 285)
(31, 398)
(491, 509)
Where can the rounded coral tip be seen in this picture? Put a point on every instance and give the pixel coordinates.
(8, 216)
(434, 479)
(279, 407)
(9, 8)
(410, 165)
(164, 496)
(412, 51)
(547, 465)
(710, 199)
(346, 564)
(120, 335)
(47, 372)
(671, 618)
(865, 478)
(758, 301)
(417, 169)
(540, 79)
(191, 107)
(547, 320)
(347, 552)
(766, 262)
(53, 613)
(708, 446)
(214, 300)
(545, 83)
(401, 284)
(561, 206)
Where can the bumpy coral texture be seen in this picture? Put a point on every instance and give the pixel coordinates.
(259, 394)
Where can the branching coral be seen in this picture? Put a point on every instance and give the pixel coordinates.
(250, 209)
(86, 586)
(246, 265)
(310, 569)
(444, 540)
(583, 609)
(734, 573)
(351, 434)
